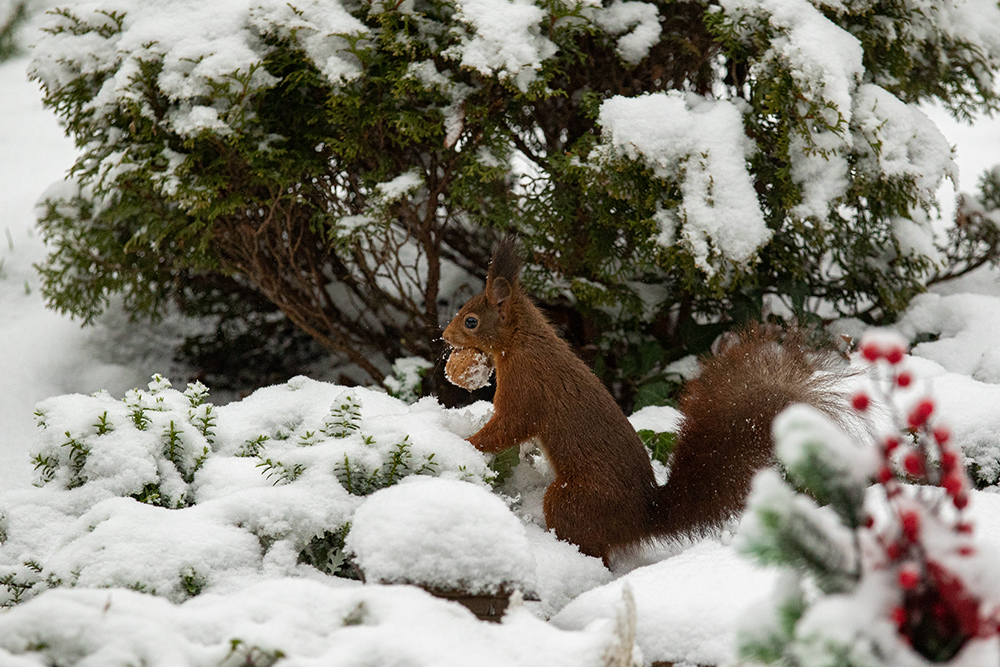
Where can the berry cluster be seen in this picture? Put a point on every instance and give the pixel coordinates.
(937, 613)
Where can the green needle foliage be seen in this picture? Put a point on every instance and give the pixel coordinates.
(355, 167)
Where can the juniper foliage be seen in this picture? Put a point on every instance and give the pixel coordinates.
(356, 177)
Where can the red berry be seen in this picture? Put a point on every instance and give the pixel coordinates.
(964, 527)
(966, 550)
(952, 484)
(909, 578)
(899, 616)
(913, 463)
(911, 525)
(860, 401)
(949, 459)
(895, 355)
(894, 550)
(871, 352)
(921, 413)
(868, 522)
(891, 443)
(904, 379)
(961, 500)
(941, 434)
(884, 475)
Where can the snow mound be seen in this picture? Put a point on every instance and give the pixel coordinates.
(961, 329)
(443, 534)
(969, 408)
(957, 351)
(298, 621)
(708, 586)
(164, 493)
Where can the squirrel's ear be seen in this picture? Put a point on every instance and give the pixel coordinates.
(500, 290)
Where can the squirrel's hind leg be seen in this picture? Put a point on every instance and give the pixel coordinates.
(592, 516)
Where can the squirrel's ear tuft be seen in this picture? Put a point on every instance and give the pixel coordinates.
(506, 262)
(504, 271)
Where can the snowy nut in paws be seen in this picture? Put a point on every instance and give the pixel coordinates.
(469, 368)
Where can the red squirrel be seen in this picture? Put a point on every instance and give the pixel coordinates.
(604, 498)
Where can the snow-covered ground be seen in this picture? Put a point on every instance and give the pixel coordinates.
(238, 541)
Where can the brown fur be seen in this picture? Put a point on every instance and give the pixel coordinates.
(605, 498)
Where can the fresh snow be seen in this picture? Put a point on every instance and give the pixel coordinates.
(307, 622)
(43, 353)
(964, 326)
(503, 38)
(802, 432)
(910, 144)
(863, 127)
(444, 534)
(826, 62)
(703, 139)
(241, 524)
(688, 605)
(821, 55)
(638, 23)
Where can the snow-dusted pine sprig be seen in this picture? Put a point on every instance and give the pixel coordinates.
(344, 418)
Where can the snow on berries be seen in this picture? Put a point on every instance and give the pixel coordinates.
(939, 613)
(894, 574)
(882, 345)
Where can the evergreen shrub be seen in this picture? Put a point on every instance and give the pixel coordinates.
(673, 168)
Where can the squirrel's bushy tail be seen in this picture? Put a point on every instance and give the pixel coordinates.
(725, 437)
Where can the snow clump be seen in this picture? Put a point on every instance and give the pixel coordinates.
(196, 45)
(705, 141)
(504, 39)
(443, 534)
(638, 23)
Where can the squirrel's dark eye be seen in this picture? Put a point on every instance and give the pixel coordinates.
(471, 322)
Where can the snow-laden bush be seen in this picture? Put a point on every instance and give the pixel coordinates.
(148, 446)
(165, 530)
(672, 167)
(165, 493)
